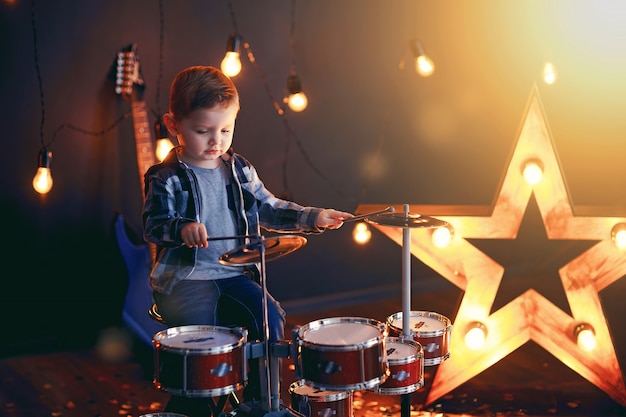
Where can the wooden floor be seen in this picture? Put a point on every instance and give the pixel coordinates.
(114, 378)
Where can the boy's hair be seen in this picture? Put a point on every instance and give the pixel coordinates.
(200, 87)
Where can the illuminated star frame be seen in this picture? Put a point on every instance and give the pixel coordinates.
(530, 316)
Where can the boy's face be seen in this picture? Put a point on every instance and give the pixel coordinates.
(205, 135)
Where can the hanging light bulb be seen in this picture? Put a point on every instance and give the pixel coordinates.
(361, 234)
(297, 100)
(423, 64)
(231, 64)
(163, 142)
(42, 182)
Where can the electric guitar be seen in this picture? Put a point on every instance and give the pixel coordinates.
(129, 84)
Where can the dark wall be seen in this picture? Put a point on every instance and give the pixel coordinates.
(374, 131)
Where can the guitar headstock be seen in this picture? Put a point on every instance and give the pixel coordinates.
(128, 75)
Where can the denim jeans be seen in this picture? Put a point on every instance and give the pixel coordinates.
(236, 301)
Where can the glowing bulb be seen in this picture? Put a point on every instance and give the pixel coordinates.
(618, 235)
(475, 336)
(424, 66)
(549, 73)
(533, 172)
(585, 337)
(231, 64)
(42, 182)
(361, 233)
(297, 102)
(163, 147)
(441, 237)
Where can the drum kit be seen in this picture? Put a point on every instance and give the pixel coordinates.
(333, 357)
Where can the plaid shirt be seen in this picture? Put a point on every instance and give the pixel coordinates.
(173, 199)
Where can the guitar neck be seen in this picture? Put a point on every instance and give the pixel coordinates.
(145, 149)
(143, 139)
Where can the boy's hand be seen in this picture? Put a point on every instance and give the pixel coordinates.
(194, 234)
(332, 219)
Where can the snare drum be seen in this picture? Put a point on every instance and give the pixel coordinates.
(200, 361)
(429, 329)
(342, 353)
(405, 366)
(312, 402)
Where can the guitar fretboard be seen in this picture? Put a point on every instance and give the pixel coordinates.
(143, 139)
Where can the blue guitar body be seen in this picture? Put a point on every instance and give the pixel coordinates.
(138, 299)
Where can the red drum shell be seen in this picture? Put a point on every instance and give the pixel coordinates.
(200, 361)
(313, 402)
(406, 367)
(431, 330)
(342, 353)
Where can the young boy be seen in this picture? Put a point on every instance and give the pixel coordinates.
(203, 189)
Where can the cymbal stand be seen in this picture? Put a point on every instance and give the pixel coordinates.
(405, 406)
(270, 394)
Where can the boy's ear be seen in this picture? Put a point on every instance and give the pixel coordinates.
(170, 124)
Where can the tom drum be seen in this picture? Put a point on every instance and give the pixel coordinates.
(313, 402)
(200, 361)
(342, 353)
(405, 366)
(431, 330)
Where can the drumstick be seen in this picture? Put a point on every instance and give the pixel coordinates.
(230, 237)
(363, 216)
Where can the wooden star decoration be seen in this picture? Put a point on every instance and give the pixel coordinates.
(530, 316)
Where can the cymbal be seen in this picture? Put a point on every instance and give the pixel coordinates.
(275, 247)
(405, 220)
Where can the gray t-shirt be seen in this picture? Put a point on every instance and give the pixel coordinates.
(219, 221)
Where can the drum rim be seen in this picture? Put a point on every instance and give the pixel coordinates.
(349, 387)
(159, 338)
(315, 324)
(400, 390)
(398, 316)
(331, 394)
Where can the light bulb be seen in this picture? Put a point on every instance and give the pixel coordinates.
(42, 182)
(361, 233)
(297, 102)
(585, 337)
(424, 66)
(549, 73)
(532, 172)
(231, 64)
(618, 235)
(163, 147)
(475, 336)
(163, 143)
(441, 237)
